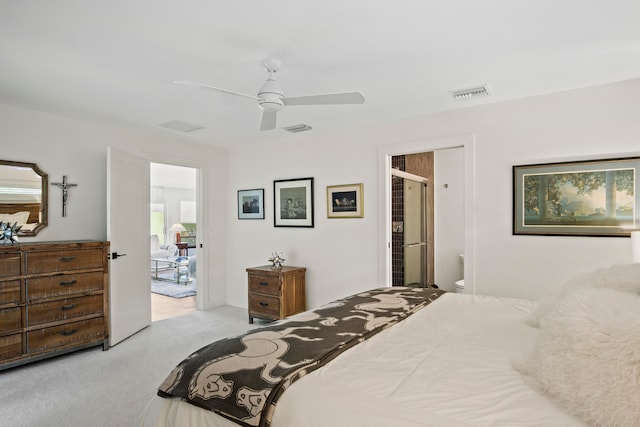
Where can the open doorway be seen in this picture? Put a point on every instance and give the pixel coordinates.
(173, 230)
(453, 202)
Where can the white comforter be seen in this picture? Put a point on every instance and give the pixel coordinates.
(447, 365)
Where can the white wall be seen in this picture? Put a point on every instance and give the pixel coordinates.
(449, 216)
(341, 254)
(78, 149)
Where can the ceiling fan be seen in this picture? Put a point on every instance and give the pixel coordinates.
(271, 98)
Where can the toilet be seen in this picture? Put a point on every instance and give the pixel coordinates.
(458, 288)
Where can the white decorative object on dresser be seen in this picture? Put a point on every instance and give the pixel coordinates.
(53, 299)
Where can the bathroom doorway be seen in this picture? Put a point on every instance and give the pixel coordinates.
(453, 186)
(412, 216)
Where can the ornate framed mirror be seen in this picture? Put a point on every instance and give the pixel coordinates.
(23, 196)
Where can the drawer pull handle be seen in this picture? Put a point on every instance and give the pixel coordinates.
(68, 307)
(264, 304)
(264, 283)
(69, 332)
(68, 283)
(67, 258)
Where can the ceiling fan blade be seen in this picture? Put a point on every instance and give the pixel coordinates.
(200, 85)
(268, 121)
(327, 99)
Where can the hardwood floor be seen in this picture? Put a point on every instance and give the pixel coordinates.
(163, 307)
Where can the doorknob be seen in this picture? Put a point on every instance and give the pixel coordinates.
(115, 255)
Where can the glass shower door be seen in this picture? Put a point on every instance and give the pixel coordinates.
(415, 233)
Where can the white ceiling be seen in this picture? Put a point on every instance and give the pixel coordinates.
(114, 61)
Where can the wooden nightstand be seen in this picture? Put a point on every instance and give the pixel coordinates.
(275, 293)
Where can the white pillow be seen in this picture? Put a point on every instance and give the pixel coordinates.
(623, 277)
(587, 356)
(19, 217)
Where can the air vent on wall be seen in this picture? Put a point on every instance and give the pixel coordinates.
(472, 92)
(298, 128)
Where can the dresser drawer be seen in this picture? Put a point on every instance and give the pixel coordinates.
(70, 334)
(11, 319)
(262, 305)
(10, 291)
(64, 285)
(10, 264)
(69, 308)
(264, 284)
(10, 346)
(64, 260)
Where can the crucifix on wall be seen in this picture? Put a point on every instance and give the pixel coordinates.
(65, 186)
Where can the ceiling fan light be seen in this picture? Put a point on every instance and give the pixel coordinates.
(270, 106)
(270, 96)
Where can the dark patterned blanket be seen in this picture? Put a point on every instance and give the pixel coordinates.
(242, 378)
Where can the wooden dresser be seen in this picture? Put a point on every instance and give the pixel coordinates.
(275, 293)
(53, 299)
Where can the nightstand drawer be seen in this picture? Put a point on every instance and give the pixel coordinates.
(264, 305)
(264, 284)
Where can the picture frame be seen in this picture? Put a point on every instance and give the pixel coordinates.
(581, 198)
(345, 201)
(293, 202)
(251, 204)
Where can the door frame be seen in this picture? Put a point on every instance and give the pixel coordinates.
(202, 253)
(385, 152)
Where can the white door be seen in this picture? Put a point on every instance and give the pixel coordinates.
(128, 232)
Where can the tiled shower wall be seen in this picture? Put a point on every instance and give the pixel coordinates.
(397, 218)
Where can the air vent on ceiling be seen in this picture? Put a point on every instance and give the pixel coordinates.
(181, 125)
(472, 92)
(298, 128)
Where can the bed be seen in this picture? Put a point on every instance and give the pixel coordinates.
(26, 215)
(466, 360)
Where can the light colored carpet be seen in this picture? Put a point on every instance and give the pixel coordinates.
(96, 388)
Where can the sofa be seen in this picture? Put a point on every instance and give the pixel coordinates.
(162, 251)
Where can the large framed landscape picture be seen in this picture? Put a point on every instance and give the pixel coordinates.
(584, 198)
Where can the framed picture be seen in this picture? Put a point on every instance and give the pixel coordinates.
(251, 204)
(345, 201)
(583, 198)
(293, 202)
